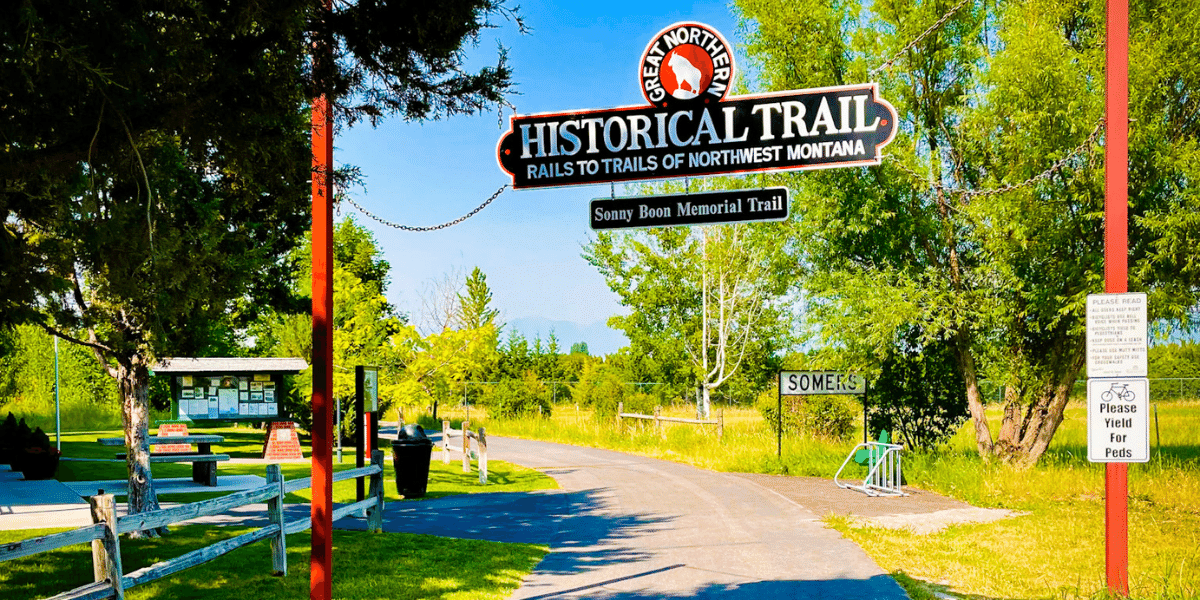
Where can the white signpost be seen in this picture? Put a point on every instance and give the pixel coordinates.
(1116, 335)
(1118, 392)
(811, 383)
(806, 383)
(1118, 420)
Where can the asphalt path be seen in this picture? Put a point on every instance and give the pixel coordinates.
(627, 527)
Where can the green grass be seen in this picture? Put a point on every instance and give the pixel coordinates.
(1054, 551)
(444, 480)
(366, 566)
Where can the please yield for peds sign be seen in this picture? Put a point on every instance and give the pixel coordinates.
(688, 127)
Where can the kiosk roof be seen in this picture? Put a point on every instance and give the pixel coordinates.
(230, 365)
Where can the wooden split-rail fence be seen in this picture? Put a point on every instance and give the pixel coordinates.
(659, 419)
(105, 532)
(480, 454)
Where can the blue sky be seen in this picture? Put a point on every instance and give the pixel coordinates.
(578, 55)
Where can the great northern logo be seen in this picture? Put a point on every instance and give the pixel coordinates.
(685, 62)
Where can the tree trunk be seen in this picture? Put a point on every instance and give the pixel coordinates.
(1032, 429)
(706, 402)
(133, 379)
(1044, 423)
(1012, 426)
(966, 362)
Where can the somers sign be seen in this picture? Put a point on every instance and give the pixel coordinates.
(805, 383)
(691, 129)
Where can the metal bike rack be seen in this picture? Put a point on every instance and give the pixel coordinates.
(884, 472)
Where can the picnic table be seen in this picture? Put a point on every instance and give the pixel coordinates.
(204, 462)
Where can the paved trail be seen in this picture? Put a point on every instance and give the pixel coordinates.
(623, 527)
(626, 527)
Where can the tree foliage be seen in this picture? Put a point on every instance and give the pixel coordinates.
(156, 160)
(919, 396)
(995, 96)
(728, 282)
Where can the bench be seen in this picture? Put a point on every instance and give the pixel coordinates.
(204, 462)
(204, 466)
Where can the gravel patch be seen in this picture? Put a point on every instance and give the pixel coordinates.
(926, 523)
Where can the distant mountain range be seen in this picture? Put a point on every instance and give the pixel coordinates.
(600, 339)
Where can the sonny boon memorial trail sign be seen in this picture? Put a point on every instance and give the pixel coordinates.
(690, 128)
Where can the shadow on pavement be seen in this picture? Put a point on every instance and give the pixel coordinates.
(579, 526)
(880, 586)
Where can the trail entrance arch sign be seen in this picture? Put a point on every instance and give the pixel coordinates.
(690, 128)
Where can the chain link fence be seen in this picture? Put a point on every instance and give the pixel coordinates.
(1162, 389)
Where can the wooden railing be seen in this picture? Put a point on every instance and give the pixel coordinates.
(467, 435)
(111, 581)
(659, 419)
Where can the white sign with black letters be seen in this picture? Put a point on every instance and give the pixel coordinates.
(1116, 335)
(1118, 422)
(807, 383)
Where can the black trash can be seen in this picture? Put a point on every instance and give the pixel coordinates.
(411, 451)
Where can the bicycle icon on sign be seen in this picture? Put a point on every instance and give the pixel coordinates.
(1119, 391)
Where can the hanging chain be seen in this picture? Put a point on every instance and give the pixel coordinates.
(433, 227)
(499, 123)
(968, 194)
(942, 21)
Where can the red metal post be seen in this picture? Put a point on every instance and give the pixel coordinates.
(321, 562)
(368, 440)
(1116, 268)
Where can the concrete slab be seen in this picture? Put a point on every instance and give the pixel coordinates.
(18, 492)
(65, 506)
(171, 485)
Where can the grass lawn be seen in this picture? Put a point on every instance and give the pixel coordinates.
(1054, 551)
(444, 480)
(367, 566)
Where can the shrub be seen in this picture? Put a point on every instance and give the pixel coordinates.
(817, 415)
(828, 417)
(602, 388)
(9, 439)
(513, 398)
(920, 395)
(641, 403)
(38, 460)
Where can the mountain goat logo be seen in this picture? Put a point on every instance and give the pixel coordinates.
(687, 73)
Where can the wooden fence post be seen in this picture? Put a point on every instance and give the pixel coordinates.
(620, 409)
(720, 423)
(657, 422)
(275, 514)
(445, 442)
(466, 446)
(375, 513)
(481, 441)
(106, 553)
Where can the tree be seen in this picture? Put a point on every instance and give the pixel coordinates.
(1001, 94)
(156, 160)
(475, 307)
(703, 302)
(919, 395)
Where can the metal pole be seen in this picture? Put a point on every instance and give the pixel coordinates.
(1116, 267)
(865, 416)
(1157, 438)
(321, 558)
(360, 432)
(57, 403)
(779, 426)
